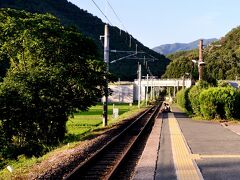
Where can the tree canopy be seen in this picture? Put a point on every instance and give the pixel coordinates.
(181, 64)
(53, 71)
(92, 26)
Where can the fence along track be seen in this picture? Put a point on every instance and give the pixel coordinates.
(106, 161)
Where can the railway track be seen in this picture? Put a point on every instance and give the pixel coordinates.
(107, 161)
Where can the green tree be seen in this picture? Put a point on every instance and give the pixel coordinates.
(53, 72)
(194, 94)
(181, 64)
(93, 27)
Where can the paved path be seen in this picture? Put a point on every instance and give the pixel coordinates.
(191, 149)
(165, 166)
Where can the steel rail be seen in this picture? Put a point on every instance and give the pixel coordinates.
(124, 156)
(82, 168)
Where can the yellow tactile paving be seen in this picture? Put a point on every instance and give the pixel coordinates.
(185, 167)
(220, 156)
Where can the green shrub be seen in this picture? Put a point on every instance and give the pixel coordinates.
(220, 102)
(193, 96)
(222, 83)
(182, 99)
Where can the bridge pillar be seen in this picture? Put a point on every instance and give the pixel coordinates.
(174, 91)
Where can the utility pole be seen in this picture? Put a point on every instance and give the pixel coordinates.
(183, 82)
(130, 41)
(147, 92)
(151, 87)
(200, 66)
(139, 84)
(119, 90)
(106, 60)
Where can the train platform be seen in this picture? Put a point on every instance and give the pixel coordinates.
(182, 148)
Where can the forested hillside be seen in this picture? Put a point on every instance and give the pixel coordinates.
(93, 27)
(221, 62)
(181, 63)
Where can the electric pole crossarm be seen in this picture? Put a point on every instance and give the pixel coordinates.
(117, 51)
(150, 59)
(116, 60)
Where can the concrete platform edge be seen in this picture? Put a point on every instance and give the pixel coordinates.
(146, 167)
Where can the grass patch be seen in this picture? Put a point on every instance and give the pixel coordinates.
(84, 125)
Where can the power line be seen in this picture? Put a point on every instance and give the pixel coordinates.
(116, 15)
(130, 37)
(133, 54)
(102, 12)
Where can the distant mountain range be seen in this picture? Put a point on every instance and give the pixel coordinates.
(222, 60)
(172, 48)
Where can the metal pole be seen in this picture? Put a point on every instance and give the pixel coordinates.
(130, 41)
(139, 85)
(147, 92)
(177, 85)
(152, 88)
(106, 60)
(174, 90)
(200, 67)
(119, 89)
(183, 82)
(191, 76)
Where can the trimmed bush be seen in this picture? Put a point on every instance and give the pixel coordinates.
(183, 100)
(220, 102)
(193, 96)
(180, 98)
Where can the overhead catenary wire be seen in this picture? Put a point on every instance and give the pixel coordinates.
(130, 38)
(116, 15)
(102, 12)
(118, 18)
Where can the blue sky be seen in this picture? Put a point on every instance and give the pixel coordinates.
(156, 22)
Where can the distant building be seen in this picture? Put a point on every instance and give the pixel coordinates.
(122, 93)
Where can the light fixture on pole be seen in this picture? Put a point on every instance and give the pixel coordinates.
(200, 61)
(200, 65)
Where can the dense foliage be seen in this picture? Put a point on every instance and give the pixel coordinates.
(93, 27)
(220, 102)
(224, 62)
(211, 102)
(183, 99)
(194, 94)
(53, 71)
(221, 62)
(182, 64)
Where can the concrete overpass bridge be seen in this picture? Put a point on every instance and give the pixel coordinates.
(129, 91)
(155, 85)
